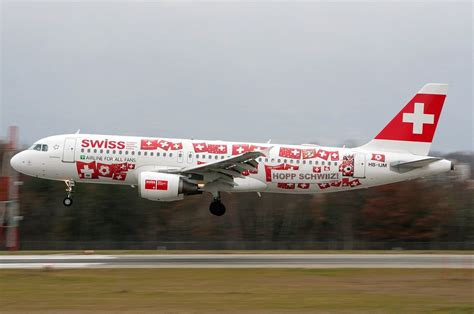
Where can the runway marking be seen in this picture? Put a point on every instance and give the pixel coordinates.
(239, 261)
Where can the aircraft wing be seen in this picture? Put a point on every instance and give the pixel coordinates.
(232, 166)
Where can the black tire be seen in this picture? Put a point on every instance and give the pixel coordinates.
(217, 208)
(67, 201)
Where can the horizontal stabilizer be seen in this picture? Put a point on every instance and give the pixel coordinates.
(405, 166)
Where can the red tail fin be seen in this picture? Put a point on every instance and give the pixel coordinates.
(413, 128)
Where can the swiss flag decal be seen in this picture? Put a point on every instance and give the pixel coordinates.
(417, 121)
(87, 170)
(150, 184)
(378, 157)
(162, 185)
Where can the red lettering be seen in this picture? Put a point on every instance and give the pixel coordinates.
(121, 145)
(99, 144)
(103, 144)
(85, 143)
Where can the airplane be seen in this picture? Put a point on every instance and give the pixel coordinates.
(168, 169)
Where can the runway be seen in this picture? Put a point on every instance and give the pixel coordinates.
(238, 261)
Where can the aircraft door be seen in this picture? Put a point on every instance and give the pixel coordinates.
(180, 157)
(69, 150)
(359, 165)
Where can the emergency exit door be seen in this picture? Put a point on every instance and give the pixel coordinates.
(69, 150)
(359, 165)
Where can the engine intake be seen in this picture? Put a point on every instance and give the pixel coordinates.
(156, 186)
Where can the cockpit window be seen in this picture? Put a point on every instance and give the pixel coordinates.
(40, 147)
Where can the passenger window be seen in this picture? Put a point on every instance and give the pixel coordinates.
(133, 153)
(329, 163)
(82, 150)
(298, 161)
(95, 151)
(316, 162)
(113, 152)
(222, 157)
(304, 162)
(284, 160)
(139, 153)
(145, 153)
(157, 154)
(279, 160)
(323, 163)
(120, 152)
(164, 154)
(216, 157)
(266, 159)
(126, 152)
(44, 148)
(197, 155)
(171, 155)
(310, 162)
(107, 151)
(151, 154)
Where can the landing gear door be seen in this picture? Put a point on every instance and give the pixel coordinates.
(359, 165)
(69, 150)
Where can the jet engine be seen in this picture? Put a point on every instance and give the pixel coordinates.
(156, 186)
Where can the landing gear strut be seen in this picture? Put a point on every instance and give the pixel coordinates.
(217, 208)
(69, 190)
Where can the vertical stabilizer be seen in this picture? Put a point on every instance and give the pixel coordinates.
(413, 128)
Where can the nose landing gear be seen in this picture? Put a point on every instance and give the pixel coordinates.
(69, 190)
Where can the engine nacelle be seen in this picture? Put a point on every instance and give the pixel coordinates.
(156, 186)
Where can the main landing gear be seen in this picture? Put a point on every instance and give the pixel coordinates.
(69, 190)
(217, 208)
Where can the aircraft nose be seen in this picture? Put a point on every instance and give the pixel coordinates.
(16, 162)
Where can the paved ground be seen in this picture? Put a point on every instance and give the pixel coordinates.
(238, 261)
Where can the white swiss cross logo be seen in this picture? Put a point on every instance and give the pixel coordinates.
(87, 172)
(240, 150)
(418, 118)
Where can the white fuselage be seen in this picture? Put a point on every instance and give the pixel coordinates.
(298, 169)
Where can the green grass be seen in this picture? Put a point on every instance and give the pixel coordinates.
(119, 252)
(238, 290)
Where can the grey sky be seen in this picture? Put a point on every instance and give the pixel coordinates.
(294, 72)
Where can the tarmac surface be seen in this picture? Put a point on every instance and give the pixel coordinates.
(238, 261)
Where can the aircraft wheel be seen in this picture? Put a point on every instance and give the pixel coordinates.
(67, 201)
(217, 208)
